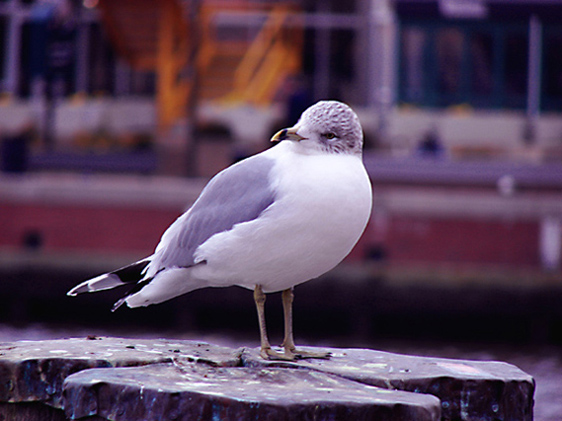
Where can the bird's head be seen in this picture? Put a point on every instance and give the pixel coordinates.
(327, 126)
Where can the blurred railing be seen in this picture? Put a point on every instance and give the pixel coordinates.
(273, 56)
(246, 61)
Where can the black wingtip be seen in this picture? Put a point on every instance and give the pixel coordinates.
(132, 273)
(118, 304)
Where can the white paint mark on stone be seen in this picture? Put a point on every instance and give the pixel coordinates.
(461, 368)
(376, 365)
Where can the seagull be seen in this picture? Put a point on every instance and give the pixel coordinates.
(268, 223)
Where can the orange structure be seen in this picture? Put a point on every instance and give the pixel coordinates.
(196, 56)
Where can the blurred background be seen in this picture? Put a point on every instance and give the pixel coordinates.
(114, 114)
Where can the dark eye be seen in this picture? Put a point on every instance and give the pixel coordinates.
(330, 136)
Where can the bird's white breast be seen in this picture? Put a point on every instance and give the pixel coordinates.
(322, 205)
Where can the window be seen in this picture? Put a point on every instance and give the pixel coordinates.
(483, 64)
(481, 60)
(413, 44)
(449, 48)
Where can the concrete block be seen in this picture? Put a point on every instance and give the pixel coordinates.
(34, 371)
(192, 391)
(468, 390)
(135, 379)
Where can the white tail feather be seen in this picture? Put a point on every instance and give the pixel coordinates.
(167, 284)
(99, 283)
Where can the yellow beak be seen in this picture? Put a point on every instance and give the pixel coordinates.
(287, 134)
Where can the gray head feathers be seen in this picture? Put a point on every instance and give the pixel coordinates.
(334, 126)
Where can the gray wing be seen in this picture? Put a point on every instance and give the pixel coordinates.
(238, 194)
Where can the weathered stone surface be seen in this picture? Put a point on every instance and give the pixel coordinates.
(188, 391)
(148, 379)
(468, 390)
(35, 370)
(30, 411)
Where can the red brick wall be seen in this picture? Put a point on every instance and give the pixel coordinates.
(410, 239)
(403, 239)
(85, 228)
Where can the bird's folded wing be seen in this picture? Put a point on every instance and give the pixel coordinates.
(238, 194)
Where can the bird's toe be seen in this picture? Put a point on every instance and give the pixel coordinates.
(305, 355)
(270, 354)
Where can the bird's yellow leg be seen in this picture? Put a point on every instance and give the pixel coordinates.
(266, 352)
(289, 341)
(291, 352)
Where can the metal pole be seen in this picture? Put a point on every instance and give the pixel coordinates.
(382, 61)
(12, 63)
(533, 78)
